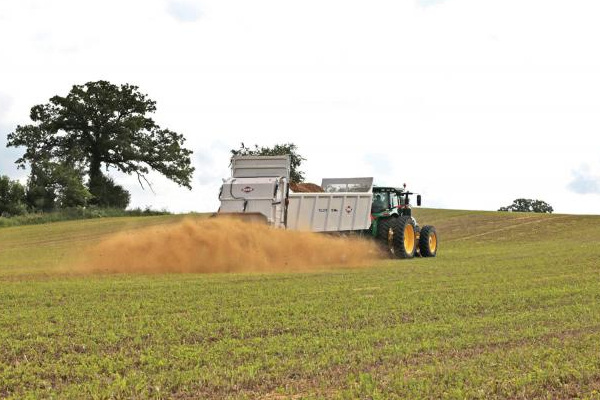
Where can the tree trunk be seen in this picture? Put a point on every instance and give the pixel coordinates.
(95, 184)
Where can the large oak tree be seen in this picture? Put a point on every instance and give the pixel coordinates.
(100, 125)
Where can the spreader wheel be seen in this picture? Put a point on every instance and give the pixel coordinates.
(428, 243)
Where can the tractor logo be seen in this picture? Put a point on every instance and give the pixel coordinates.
(247, 189)
(348, 210)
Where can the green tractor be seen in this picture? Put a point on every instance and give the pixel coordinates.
(394, 225)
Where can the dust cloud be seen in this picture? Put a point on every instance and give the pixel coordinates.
(223, 245)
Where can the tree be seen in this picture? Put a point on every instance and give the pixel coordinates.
(53, 185)
(528, 205)
(40, 194)
(103, 125)
(296, 176)
(12, 197)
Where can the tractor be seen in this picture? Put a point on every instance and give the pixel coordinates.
(394, 225)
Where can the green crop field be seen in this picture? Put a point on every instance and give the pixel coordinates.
(510, 308)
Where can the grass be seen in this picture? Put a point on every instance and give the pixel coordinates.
(508, 309)
(74, 213)
(42, 249)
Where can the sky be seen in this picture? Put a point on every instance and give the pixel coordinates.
(471, 103)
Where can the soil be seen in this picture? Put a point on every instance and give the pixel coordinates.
(223, 245)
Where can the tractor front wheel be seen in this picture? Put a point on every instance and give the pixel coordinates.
(428, 243)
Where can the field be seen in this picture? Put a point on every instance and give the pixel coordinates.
(510, 308)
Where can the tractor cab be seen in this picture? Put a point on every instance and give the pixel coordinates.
(389, 201)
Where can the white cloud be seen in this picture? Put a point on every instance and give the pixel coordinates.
(8, 156)
(5, 104)
(211, 164)
(429, 3)
(184, 11)
(380, 166)
(585, 181)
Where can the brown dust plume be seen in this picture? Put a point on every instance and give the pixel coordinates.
(223, 245)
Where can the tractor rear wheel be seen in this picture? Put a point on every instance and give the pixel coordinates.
(386, 232)
(398, 236)
(404, 239)
(428, 243)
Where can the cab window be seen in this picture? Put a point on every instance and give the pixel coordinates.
(381, 202)
(394, 200)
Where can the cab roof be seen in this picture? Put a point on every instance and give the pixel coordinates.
(387, 189)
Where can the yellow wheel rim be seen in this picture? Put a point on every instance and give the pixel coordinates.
(433, 242)
(409, 238)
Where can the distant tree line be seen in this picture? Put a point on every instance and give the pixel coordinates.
(73, 140)
(528, 205)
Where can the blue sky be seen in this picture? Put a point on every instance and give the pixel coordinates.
(471, 103)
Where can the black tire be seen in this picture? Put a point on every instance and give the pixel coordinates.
(386, 231)
(428, 242)
(404, 240)
(398, 236)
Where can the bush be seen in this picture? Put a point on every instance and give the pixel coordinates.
(71, 192)
(75, 213)
(12, 197)
(108, 194)
(52, 185)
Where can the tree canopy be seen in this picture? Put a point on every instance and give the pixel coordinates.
(100, 125)
(53, 185)
(12, 197)
(296, 176)
(528, 205)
